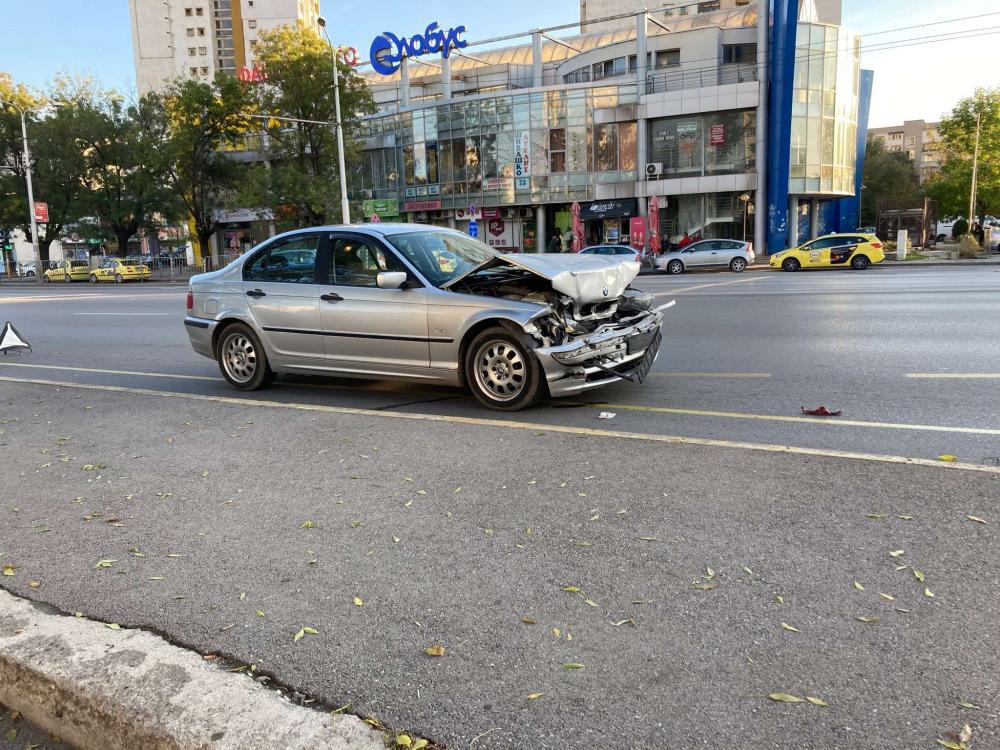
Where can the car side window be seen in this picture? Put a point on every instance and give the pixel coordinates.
(358, 262)
(292, 261)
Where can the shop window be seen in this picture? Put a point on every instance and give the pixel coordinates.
(666, 58)
(744, 54)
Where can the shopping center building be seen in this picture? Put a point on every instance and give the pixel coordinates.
(716, 112)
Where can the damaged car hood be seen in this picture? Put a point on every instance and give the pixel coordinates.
(585, 278)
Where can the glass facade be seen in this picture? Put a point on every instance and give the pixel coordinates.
(704, 144)
(501, 150)
(824, 111)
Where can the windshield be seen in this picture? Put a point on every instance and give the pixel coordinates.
(441, 256)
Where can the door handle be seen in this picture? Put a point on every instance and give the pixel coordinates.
(255, 293)
(331, 297)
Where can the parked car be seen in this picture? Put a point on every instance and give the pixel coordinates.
(119, 271)
(68, 271)
(857, 251)
(424, 304)
(619, 250)
(703, 254)
(993, 237)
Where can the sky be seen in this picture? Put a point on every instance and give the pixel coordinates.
(43, 38)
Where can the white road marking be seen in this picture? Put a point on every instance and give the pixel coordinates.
(954, 375)
(130, 314)
(509, 424)
(111, 372)
(705, 286)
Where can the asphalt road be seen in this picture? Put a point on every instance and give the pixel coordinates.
(742, 354)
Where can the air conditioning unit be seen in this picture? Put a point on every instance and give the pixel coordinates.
(507, 213)
(654, 169)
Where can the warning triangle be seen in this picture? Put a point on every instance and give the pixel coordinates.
(10, 339)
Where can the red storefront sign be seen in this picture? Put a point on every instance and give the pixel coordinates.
(421, 205)
(717, 135)
(637, 230)
(41, 212)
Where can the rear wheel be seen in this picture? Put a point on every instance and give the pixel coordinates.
(67, 279)
(791, 264)
(675, 267)
(46, 279)
(93, 278)
(860, 262)
(242, 359)
(738, 265)
(502, 371)
(119, 279)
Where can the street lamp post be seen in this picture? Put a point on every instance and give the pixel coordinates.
(745, 198)
(31, 192)
(344, 205)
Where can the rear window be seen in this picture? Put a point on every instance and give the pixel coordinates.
(79, 263)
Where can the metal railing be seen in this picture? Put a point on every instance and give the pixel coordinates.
(677, 80)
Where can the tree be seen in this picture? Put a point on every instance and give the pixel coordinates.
(122, 145)
(302, 173)
(952, 185)
(13, 192)
(889, 175)
(202, 120)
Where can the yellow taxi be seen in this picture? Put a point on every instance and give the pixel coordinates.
(849, 250)
(120, 270)
(68, 271)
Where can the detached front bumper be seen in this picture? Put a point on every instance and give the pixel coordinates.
(201, 332)
(613, 355)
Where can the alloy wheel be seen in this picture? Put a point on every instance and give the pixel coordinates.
(500, 370)
(239, 357)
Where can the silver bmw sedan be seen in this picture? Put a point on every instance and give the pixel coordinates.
(424, 304)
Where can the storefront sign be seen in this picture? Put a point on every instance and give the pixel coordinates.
(522, 153)
(637, 231)
(388, 50)
(466, 214)
(609, 209)
(421, 205)
(382, 207)
(522, 183)
(41, 211)
(244, 215)
(503, 235)
(348, 56)
(718, 135)
(252, 75)
(497, 183)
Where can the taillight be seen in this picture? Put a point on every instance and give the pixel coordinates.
(877, 245)
(638, 259)
(190, 301)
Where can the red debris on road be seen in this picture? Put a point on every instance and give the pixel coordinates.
(820, 411)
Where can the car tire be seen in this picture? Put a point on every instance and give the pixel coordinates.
(675, 267)
(67, 279)
(860, 262)
(119, 279)
(46, 279)
(791, 264)
(242, 359)
(93, 278)
(29, 274)
(502, 371)
(737, 265)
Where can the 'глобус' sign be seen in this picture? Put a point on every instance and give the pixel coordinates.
(388, 50)
(610, 209)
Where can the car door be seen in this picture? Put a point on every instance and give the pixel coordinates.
(279, 282)
(841, 250)
(816, 253)
(365, 328)
(698, 254)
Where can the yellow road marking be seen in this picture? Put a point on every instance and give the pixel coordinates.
(484, 422)
(709, 375)
(111, 372)
(833, 422)
(705, 286)
(954, 375)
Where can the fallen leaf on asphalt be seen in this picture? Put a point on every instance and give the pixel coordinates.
(205, 473)
(529, 621)
(573, 665)
(903, 610)
(905, 518)
(648, 539)
(785, 698)
(710, 573)
(310, 631)
(590, 602)
(403, 740)
(816, 701)
(919, 575)
(157, 578)
(435, 650)
(876, 516)
(174, 555)
(897, 553)
(928, 592)
(34, 584)
(792, 628)
(8, 570)
(887, 597)
(868, 619)
(951, 745)
(901, 567)
(408, 503)
(534, 696)
(243, 596)
(421, 492)
(571, 589)
(557, 632)
(113, 625)
(595, 517)
(358, 601)
(299, 636)
(395, 540)
(308, 525)
(965, 704)
(704, 586)
(488, 532)
(105, 563)
(420, 744)
(966, 734)
(629, 622)
(858, 586)
(747, 570)
(976, 519)
(259, 613)
(779, 599)
(947, 457)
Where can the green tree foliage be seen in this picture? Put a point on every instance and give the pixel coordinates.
(889, 175)
(302, 175)
(951, 186)
(202, 122)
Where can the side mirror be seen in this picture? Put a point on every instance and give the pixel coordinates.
(391, 279)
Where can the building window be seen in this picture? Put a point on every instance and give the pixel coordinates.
(190, 32)
(709, 6)
(191, 51)
(910, 140)
(896, 135)
(194, 71)
(743, 54)
(666, 58)
(252, 23)
(188, 12)
(199, 12)
(201, 31)
(204, 70)
(202, 50)
(557, 150)
(742, 2)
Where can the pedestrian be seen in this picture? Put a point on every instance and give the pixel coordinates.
(684, 241)
(555, 246)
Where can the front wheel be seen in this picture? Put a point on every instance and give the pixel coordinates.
(119, 279)
(93, 278)
(46, 279)
(67, 279)
(859, 262)
(502, 371)
(791, 264)
(738, 265)
(675, 267)
(242, 359)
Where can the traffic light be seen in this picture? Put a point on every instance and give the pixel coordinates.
(5, 242)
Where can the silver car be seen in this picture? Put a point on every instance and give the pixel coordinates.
(424, 304)
(704, 254)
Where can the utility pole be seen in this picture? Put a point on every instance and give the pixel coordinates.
(31, 192)
(345, 207)
(975, 173)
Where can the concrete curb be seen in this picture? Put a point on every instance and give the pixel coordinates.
(105, 689)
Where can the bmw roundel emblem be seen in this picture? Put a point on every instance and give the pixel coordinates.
(605, 290)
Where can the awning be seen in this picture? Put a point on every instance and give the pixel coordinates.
(612, 209)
